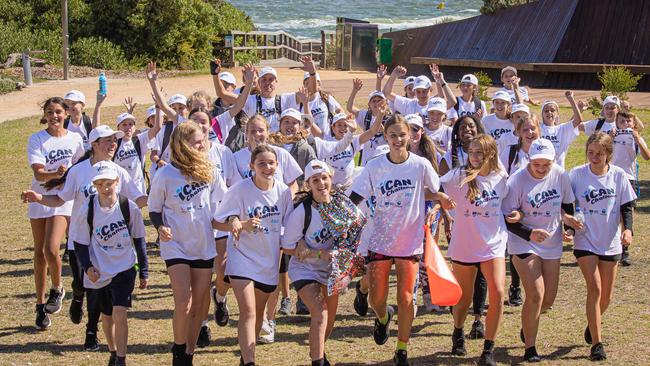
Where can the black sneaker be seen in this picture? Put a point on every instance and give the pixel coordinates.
(178, 355)
(598, 352)
(514, 296)
(478, 330)
(120, 363)
(91, 343)
(530, 355)
(360, 301)
(54, 301)
(325, 361)
(381, 330)
(204, 337)
(522, 337)
(458, 342)
(301, 308)
(588, 335)
(221, 311)
(241, 362)
(112, 360)
(400, 358)
(487, 359)
(42, 319)
(76, 311)
(189, 359)
(625, 258)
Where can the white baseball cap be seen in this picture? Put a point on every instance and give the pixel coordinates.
(422, 82)
(613, 99)
(376, 93)
(501, 95)
(177, 98)
(414, 119)
(508, 68)
(105, 171)
(548, 102)
(75, 96)
(339, 116)
(410, 80)
(291, 112)
(227, 78)
(124, 116)
(469, 78)
(268, 70)
(151, 111)
(103, 131)
(520, 108)
(315, 167)
(306, 76)
(541, 149)
(437, 104)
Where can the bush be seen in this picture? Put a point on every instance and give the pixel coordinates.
(7, 85)
(98, 53)
(616, 80)
(492, 6)
(17, 39)
(484, 81)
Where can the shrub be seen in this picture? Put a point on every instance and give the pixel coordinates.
(16, 39)
(492, 6)
(616, 80)
(7, 85)
(98, 53)
(484, 81)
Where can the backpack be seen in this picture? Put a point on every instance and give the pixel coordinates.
(477, 104)
(599, 124)
(324, 97)
(306, 203)
(85, 120)
(513, 157)
(124, 208)
(278, 104)
(167, 134)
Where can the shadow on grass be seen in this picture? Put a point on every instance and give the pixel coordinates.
(165, 314)
(15, 262)
(23, 329)
(18, 273)
(62, 349)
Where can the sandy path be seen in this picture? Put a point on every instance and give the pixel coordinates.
(25, 103)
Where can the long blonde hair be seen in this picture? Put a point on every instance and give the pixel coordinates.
(192, 163)
(490, 158)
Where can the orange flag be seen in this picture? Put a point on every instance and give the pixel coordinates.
(445, 290)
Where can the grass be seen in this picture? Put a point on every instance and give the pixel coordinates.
(626, 323)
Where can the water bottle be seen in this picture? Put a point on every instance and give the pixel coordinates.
(102, 83)
(579, 216)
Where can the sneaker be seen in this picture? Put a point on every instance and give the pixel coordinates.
(42, 319)
(178, 355)
(478, 330)
(530, 355)
(487, 359)
(241, 362)
(588, 335)
(400, 358)
(285, 306)
(266, 328)
(120, 363)
(270, 337)
(221, 313)
(301, 308)
(381, 330)
(54, 301)
(360, 301)
(458, 343)
(65, 258)
(112, 360)
(189, 359)
(514, 296)
(91, 343)
(325, 361)
(204, 337)
(598, 352)
(625, 258)
(76, 311)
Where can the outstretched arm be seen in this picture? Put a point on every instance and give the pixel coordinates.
(227, 96)
(152, 76)
(357, 84)
(249, 77)
(441, 84)
(398, 72)
(97, 112)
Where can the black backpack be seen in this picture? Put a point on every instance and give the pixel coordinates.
(169, 128)
(278, 104)
(305, 201)
(85, 120)
(477, 104)
(513, 156)
(324, 97)
(599, 124)
(124, 208)
(236, 137)
(138, 150)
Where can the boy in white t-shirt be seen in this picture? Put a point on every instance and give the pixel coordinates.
(508, 75)
(77, 121)
(498, 124)
(468, 102)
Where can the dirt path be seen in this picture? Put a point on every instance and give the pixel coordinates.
(25, 103)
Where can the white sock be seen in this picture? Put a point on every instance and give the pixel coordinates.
(204, 323)
(220, 298)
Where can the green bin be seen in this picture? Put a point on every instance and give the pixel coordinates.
(384, 51)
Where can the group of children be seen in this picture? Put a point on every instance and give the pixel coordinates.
(266, 189)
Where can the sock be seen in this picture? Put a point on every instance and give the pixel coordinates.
(401, 346)
(384, 320)
(178, 349)
(458, 332)
(113, 353)
(318, 362)
(220, 298)
(488, 345)
(121, 359)
(204, 323)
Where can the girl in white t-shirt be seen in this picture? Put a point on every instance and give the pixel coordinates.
(498, 124)
(399, 181)
(465, 130)
(478, 238)
(77, 121)
(437, 128)
(254, 213)
(561, 135)
(181, 204)
(131, 149)
(50, 153)
(468, 102)
(513, 154)
(423, 92)
(542, 194)
(606, 199)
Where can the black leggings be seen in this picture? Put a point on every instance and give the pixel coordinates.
(514, 275)
(480, 293)
(78, 292)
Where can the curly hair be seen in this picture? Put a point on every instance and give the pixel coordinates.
(456, 142)
(192, 163)
(488, 147)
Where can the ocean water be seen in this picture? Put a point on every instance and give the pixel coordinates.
(308, 18)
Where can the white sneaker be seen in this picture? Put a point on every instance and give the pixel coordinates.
(266, 328)
(270, 336)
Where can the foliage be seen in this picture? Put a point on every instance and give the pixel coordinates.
(17, 39)
(484, 82)
(98, 53)
(7, 85)
(247, 56)
(492, 6)
(616, 80)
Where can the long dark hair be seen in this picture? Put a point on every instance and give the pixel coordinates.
(455, 137)
(48, 102)
(428, 149)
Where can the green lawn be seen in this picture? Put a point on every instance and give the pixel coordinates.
(626, 324)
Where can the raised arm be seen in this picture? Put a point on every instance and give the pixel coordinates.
(515, 88)
(577, 112)
(381, 73)
(227, 96)
(398, 72)
(376, 127)
(157, 122)
(439, 78)
(152, 76)
(309, 67)
(97, 112)
(357, 84)
(249, 77)
(302, 97)
(643, 147)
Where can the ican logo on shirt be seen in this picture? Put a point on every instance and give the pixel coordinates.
(126, 154)
(58, 155)
(321, 235)
(344, 155)
(188, 191)
(552, 138)
(498, 132)
(262, 211)
(538, 199)
(110, 230)
(392, 186)
(593, 195)
(485, 197)
(88, 190)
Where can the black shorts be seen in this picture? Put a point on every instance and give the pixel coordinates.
(220, 237)
(193, 263)
(374, 257)
(523, 255)
(267, 289)
(284, 263)
(116, 293)
(605, 258)
(475, 264)
(635, 187)
(302, 283)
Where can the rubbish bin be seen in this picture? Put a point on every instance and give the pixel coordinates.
(384, 51)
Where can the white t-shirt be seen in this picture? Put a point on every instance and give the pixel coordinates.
(561, 136)
(600, 199)
(440, 136)
(80, 130)
(111, 247)
(319, 111)
(78, 187)
(465, 109)
(541, 201)
(343, 163)
(519, 161)
(127, 157)
(224, 163)
(460, 154)
(590, 126)
(52, 152)
(288, 169)
(522, 91)
(225, 122)
(187, 208)
(256, 255)
(372, 147)
(156, 144)
(625, 152)
(399, 210)
(406, 106)
(496, 127)
(479, 231)
(287, 100)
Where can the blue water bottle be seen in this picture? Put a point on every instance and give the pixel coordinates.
(102, 83)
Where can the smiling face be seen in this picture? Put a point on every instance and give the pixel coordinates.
(179, 108)
(55, 115)
(397, 135)
(376, 103)
(597, 155)
(340, 128)
(289, 126)
(539, 168)
(416, 134)
(550, 114)
(436, 118)
(320, 186)
(609, 111)
(467, 89)
(423, 95)
(264, 165)
(267, 84)
(203, 120)
(475, 155)
(507, 77)
(500, 106)
(197, 141)
(256, 132)
(528, 131)
(128, 127)
(74, 107)
(408, 91)
(467, 130)
(623, 123)
(104, 147)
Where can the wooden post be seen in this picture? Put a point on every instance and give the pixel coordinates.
(65, 47)
(323, 62)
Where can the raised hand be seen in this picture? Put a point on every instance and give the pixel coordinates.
(101, 98)
(435, 72)
(515, 82)
(381, 71)
(357, 84)
(569, 94)
(129, 105)
(399, 71)
(308, 64)
(248, 71)
(302, 95)
(152, 73)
